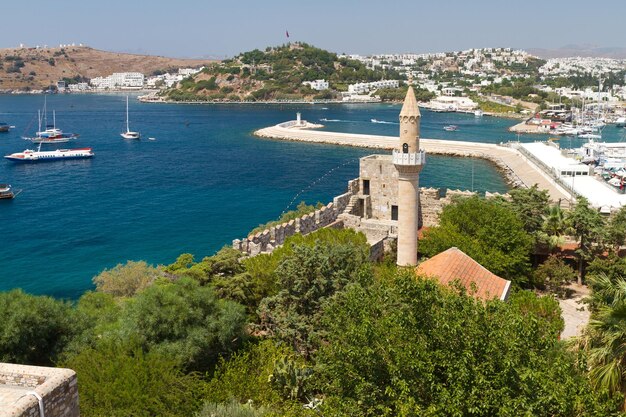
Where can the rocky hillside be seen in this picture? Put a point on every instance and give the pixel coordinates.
(275, 74)
(31, 68)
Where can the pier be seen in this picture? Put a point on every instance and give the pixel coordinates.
(519, 170)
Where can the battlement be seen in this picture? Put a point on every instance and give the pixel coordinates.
(37, 391)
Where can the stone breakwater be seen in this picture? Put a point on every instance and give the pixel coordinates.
(517, 170)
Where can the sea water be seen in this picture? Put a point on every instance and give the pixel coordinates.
(202, 181)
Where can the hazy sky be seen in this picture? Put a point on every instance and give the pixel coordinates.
(193, 28)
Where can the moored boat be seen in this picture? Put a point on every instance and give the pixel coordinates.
(51, 134)
(450, 128)
(30, 155)
(6, 193)
(129, 134)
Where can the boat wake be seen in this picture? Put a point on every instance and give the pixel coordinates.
(335, 120)
(383, 122)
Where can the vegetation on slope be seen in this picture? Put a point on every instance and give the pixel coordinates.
(316, 328)
(276, 74)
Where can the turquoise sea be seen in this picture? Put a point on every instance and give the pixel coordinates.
(202, 182)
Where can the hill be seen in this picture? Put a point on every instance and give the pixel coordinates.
(591, 51)
(276, 74)
(37, 68)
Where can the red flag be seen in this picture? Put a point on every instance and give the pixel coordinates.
(287, 33)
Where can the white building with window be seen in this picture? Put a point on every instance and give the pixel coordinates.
(119, 80)
(318, 85)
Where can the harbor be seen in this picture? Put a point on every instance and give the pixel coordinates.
(518, 169)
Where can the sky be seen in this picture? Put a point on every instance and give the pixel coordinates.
(209, 28)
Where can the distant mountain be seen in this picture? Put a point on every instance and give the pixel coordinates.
(580, 50)
(37, 68)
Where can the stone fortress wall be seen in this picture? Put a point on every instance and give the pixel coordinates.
(268, 239)
(431, 203)
(37, 391)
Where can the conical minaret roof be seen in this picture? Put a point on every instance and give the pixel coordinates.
(410, 107)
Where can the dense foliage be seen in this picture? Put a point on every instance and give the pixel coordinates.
(316, 328)
(487, 231)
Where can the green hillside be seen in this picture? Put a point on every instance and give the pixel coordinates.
(275, 74)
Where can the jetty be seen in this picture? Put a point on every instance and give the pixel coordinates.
(518, 169)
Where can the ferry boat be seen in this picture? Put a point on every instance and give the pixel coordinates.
(39, 156)
(450, 128)
(4, 127)
(6, 193)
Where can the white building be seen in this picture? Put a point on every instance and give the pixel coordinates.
(318, 85)
(363, 88)
(119, 80)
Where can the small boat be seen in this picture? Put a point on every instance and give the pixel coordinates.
(4, 127)
(590, 136)
(451, 128)
(620, 122)
(478, 113)
(6, 193)
(39, 156)
(129, 134)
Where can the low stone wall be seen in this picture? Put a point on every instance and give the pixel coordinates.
(20, 386)
(268, 239)
(432, 202)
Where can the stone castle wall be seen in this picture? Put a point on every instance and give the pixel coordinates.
(268, 239)
(20, 385)
(431, 203)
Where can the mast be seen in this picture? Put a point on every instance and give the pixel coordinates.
(39, 119)
(54, 119)
(127, 126)
(45, 111)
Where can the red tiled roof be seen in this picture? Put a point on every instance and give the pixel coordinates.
(454, 264)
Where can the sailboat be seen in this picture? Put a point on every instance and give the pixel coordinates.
(128, 134)
(51, 134)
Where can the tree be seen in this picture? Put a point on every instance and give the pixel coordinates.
(604, 339)
(120, 379)
(412, 347)
(488, 231)
(616, 230)
(553, 274)
(586, 224)
(307, 279)
(555, 226)
(531, 205)
(34, 329)
(126, 280)
(184, 320)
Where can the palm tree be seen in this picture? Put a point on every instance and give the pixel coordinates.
(554, 227)
(604, 339)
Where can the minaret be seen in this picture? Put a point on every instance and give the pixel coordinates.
(408, 160)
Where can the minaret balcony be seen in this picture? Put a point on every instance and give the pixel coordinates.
(409, 159)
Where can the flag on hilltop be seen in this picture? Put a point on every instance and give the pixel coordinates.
(287, 33)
